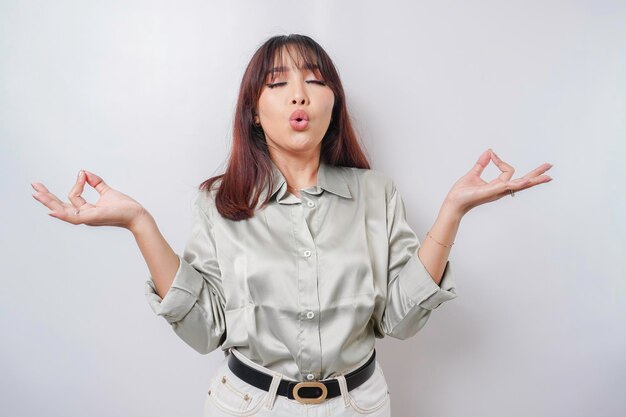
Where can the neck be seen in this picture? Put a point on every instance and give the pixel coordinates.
(298, 173)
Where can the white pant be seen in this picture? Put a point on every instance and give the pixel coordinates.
(228, 395)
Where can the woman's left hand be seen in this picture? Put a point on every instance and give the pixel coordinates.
(471, 190)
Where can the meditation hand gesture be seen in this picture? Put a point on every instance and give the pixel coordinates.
(112, 209)
(471, 190)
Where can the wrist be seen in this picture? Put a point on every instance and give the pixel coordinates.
(142, 222)
(451, 212)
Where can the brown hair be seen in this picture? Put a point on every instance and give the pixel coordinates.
(249, 167)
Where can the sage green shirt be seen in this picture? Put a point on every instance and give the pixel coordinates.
(306, 285)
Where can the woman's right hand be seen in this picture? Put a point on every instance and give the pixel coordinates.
(113, 208)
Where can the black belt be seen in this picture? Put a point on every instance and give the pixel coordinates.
(308, 392)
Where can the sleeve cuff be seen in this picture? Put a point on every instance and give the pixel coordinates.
(181, 296)
(415, 280)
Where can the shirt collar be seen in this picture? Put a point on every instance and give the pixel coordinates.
(329, 178)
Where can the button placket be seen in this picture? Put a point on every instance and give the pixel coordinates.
(310, 359)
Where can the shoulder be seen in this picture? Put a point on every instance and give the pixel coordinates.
(371, 180)
(205, 200)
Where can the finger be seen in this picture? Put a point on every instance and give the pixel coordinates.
(521, 184)
(49, 200)
(502, 188)
(76, 191)
(507, 170)
(481, 163)
(96, 182)
(538, 171)
(42, 190)
(541, 179)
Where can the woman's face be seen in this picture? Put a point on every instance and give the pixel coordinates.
(294, 89)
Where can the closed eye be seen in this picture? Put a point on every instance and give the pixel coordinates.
(272, 85)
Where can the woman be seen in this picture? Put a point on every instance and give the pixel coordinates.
(300, 255)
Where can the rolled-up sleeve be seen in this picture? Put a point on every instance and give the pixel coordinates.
(194, 304)
(412, 293)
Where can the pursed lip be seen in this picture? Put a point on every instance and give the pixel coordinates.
(299, 114)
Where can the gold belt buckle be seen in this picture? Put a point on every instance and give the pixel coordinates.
(316, 400)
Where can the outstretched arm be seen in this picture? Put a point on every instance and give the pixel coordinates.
(115, 208)
(468, 192)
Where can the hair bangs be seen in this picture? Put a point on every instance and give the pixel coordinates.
(305, 55)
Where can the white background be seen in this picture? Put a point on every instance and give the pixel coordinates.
(143, 94)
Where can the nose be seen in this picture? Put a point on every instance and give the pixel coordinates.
(299, 94)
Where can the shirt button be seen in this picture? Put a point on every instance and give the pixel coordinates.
(310, 315)
(310, 204)
(307, 253)
(310, 377)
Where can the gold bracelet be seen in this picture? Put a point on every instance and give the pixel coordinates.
(447, 246)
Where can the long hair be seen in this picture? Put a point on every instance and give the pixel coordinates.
(249, 169)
